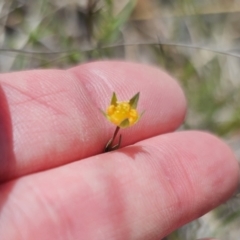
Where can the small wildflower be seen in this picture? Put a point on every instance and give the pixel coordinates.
(122, 114)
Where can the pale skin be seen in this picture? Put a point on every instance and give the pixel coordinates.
(57, 184)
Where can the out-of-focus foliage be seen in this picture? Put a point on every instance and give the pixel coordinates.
(197, 41)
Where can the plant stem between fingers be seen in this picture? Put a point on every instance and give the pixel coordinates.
(109, 146)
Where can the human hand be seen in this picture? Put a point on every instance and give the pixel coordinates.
(57, 184)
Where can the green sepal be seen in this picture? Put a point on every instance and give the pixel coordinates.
(141, 114)
(104, 114)
(125, 123)
(134, 101)
(114, 99)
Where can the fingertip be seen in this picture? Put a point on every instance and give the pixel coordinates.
(210, 163)
(224, 171)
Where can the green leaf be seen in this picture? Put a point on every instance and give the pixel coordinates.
(125, 14)
(125, 123)
(111, 26)
(114, 99)
(134, 101)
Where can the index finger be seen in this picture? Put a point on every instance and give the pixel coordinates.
(51, 117)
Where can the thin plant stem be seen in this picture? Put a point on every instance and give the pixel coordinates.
(109, 146)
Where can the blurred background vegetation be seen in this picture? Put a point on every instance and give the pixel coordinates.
(197, 41)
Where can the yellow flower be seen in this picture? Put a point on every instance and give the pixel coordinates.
(123, 114)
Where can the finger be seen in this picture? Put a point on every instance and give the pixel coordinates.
(52, 117)
(143, 191)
